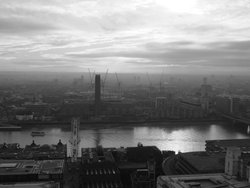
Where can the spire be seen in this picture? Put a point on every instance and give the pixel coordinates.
(33, 144)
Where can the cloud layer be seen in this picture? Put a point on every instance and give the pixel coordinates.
(125, 36)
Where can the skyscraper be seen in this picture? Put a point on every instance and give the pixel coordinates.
(97, 94)
(206, 91)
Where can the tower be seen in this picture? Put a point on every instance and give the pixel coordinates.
(97, 94)
(75, 139)
(206, 90)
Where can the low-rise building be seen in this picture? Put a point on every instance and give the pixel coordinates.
(40, 152)
(31, 171)
(200, 181)
(10, 151)
(33, 151)
(24, 115)
(236, 162)
(222, 145)
(200, 163)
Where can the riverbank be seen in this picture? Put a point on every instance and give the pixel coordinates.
(184, 137)
(9, 127)
(106, 124)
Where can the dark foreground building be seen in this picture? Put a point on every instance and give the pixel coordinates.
(98, 169)
(139, 166)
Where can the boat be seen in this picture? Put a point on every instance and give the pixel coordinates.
(37, 133)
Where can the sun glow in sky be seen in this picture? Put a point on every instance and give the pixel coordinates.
(183, 36)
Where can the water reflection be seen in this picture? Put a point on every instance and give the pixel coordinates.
(165, 136)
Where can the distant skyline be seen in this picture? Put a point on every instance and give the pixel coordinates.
(176, 36)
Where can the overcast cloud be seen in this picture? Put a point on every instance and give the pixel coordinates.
(125, 36)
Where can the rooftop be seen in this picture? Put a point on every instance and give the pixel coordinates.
(205, 162)
(31, 184)
(200, 180)
(143, 153)
(96, 154)
(230, 143)
(9, 167)
(17, 167)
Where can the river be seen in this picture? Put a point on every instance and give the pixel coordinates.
(166, 136)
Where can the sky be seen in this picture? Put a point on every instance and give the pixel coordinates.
(184, 36)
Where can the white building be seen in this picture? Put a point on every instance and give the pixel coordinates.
(24, 117)
(232, 161)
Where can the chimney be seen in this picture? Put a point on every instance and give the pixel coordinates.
(97, 93)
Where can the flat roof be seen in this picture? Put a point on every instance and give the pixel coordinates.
(12, 167)
(32, 185)
(52, 166)
(202, 180)
(205, 162)
(230, 142)
(8, 165)
(17, 167)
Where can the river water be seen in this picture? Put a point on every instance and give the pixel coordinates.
(166, 136)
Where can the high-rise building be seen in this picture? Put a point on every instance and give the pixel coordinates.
(206, 91)
(97, 93)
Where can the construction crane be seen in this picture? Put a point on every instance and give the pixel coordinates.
(75, 139)
(119, 84)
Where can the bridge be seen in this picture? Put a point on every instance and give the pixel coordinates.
(234, 118)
